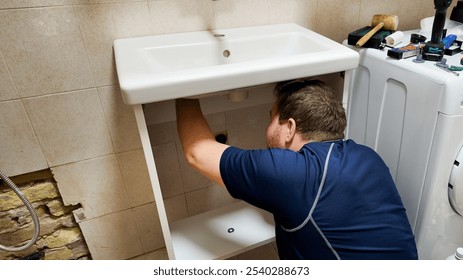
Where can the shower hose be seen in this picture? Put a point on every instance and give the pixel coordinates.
(31, 209)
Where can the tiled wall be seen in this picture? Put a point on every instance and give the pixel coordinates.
(60, 105)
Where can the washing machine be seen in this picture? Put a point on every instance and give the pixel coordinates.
(412, 115)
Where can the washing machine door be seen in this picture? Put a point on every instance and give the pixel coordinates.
(456, 184)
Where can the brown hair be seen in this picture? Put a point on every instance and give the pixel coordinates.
(319, 115)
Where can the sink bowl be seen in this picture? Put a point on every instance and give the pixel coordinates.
(163, 67)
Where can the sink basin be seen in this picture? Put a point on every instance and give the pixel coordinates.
(163, 67)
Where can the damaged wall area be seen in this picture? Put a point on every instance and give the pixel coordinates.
(60, 237)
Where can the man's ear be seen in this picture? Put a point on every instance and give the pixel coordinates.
(290, 130)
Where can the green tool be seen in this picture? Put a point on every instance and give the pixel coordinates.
(455, 68)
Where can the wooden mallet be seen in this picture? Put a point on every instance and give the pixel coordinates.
(388, 22)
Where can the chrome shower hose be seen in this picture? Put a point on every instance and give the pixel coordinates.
(31, 209)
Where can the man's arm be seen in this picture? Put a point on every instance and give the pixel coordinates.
(199, 145)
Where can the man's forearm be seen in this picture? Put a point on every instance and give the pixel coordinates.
(198, 142)
(191, 124)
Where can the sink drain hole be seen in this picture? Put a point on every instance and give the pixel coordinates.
(226, 53)
(231, 230)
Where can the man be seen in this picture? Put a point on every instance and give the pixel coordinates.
(331, 198)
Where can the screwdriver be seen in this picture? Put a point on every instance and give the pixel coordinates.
(455, 68)
(445, 67)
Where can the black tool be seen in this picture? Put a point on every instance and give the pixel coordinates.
(434, 49)
(457, 12)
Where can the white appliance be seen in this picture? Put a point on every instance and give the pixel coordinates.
(412, 115)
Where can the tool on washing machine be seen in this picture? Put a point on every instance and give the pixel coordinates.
(376, 41)
(449, 40)
(419, 56)
(454, 48)
(434, 49)
(378, 22)
(416, 38)
(444, 66)
(415, 48)
(404, 52)
(457, 12)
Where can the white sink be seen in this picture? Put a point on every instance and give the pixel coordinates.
(163, 67)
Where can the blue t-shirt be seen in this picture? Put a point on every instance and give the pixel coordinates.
(356, 213)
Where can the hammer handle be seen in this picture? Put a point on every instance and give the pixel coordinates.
(370, 34)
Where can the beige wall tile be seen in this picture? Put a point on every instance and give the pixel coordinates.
(10, 4)
(181, 15)
(162, 133)
(136, 177)
(101, 24)
(103, 1)
(427, 9)
(373, 7)
(113, 237)
(246, 127)
(176, 208)
(149, 228)
(216, 122)
(248, 137)
(336, 18)
(70, 127)
(249, 116)
(19, 149)
(98, 31)
(302, 12)
(7, 88)
(160, 254)
(159, 112)
(209, 198)
(97, 184)
(240, 13)
(132, 19)
(408, 13)
(44, 51)
(168, 169)
(121, 120)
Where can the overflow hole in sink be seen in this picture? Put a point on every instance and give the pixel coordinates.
(226, 53)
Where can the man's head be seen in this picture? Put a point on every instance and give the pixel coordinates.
(308, 108)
